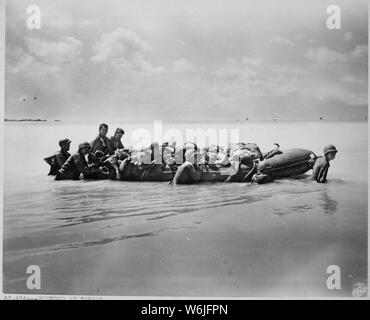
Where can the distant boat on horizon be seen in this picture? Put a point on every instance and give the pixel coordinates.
(26, 120)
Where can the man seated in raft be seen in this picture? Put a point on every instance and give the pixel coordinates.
(101, 142)
(57, 160)
(321, 166)
(115, 141)
(135, 166)
(114, 162)
(77, 164)
(188, 172)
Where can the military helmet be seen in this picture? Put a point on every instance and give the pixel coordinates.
(330, 148)
(84, 145)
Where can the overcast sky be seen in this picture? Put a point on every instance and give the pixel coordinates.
(193, 59)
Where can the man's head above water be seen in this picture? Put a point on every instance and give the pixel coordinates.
(103, 130)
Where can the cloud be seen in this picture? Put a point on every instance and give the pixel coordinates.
(351, 80)
(238, 70)
(38, 58)
(360, 51)
(65, 51)
(182, 65)
(277, 89)
(251, 61)
(282, 41)
(147, 68)
(323, 55)
(124, 49)
(21, 60)
(348, 36)
(287, 70)
(119, 44)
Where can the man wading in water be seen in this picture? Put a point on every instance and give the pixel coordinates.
(57, 160)
(76, 164)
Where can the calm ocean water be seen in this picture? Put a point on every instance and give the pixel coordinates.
(130, 238)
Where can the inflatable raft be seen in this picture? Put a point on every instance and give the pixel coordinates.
(292, 162)
(289, 163)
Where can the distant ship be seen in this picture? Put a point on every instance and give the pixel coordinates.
(23, 120)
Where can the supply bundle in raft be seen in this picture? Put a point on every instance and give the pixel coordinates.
(289, 163)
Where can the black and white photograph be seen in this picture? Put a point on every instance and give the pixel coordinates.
(185, 149)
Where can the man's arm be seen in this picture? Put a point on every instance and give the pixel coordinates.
(81, 165)
(59, 160)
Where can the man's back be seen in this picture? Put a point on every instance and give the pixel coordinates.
(320, 169)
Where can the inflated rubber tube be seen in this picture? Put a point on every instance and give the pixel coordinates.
(290, 163)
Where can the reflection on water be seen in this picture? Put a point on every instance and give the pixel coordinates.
(155, 201)
(96, 204)
(329, 204)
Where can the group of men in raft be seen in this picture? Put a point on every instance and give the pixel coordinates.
(106, 158)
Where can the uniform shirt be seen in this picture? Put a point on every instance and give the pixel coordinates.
(116, 144)
(61, 157)
(102, 144)
(75, 165)
(56, 161)
(320, 169)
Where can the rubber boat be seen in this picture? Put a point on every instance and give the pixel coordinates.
(289, 163)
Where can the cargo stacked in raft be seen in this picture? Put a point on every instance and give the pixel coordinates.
(289, 163)
(242, 162)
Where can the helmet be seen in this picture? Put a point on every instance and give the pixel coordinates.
(64, 142)
(84, 145)
(329, 148)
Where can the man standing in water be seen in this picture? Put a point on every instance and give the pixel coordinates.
(101, 142)
(321, 166)
(188, 172)
(57, 160)
(77, 164)
(62, 155)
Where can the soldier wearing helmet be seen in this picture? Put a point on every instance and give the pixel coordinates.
(322, 164)
(77, 164)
